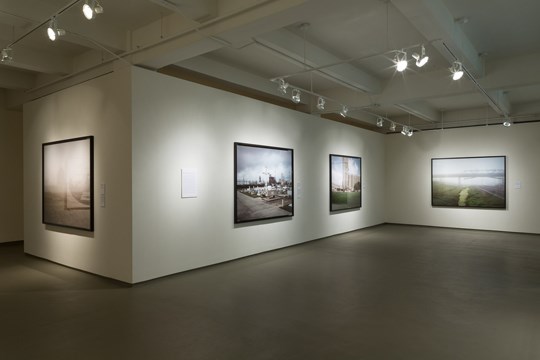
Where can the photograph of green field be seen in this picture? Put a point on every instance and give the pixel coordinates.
(345, 182)
(475, 182)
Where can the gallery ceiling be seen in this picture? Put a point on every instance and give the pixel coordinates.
(341, 50)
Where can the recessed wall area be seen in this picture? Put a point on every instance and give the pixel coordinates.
(408, 177)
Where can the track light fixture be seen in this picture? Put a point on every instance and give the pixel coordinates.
(421, 59)
(283, 85)
(407, 131)
(344, 111)
(400, 60)
(91, 8)
(7, 54)
(296, 97)
(507, 123)
(380, 122)
(53, 31)
(392, 126)
(320, 103)
(456, 70)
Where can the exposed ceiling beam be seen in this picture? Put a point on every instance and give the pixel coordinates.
(435, 22)
(10, 79)
(39, 61)
(292, 48)
(421, 110)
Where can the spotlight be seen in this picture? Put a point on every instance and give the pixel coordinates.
(344, 111)
(410, 132)
(392, 126)
(53, 31)
(421, 59)
(283, 87)
(380, 122)
(296, 97)
(507, 123)
(401, 61)
(320, 103)
(456, 70)
(91, 8)
(7, 54)
(405, 130)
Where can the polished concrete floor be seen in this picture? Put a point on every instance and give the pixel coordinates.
(388, 292)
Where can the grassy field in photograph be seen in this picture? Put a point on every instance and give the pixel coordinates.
(467, 196)
(344, 200)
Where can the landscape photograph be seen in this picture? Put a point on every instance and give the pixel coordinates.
(68, 183)
(472, 182)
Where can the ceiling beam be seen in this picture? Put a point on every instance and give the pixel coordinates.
(290, 47)
(10, 79)
(26, 58)
(421, 110)
(435, 22)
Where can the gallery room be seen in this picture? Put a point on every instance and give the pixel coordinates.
(269, 179)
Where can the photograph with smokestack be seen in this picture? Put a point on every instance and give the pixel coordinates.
(263, 182)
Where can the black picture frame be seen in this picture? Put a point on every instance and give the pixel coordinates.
(345, 182)
(469, 182)
(263, 182)
(68, 183)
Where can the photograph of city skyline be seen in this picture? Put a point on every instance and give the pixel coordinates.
(345, 182)
(263, 178)
(473, 182)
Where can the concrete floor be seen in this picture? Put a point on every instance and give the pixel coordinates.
(388, 292)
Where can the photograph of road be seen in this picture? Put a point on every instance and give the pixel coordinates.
(475, 182)
(263, 182)
(345, 182)
(67, 183)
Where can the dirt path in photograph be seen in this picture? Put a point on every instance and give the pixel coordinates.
(463, 195)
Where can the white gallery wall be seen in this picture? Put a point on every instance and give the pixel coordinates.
(102, 108)
(178, 124)
(11, 175)
(408, 177)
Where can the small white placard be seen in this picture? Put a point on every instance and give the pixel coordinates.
(102, 192)
(189, 183)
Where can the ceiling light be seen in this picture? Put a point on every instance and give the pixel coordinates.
(53, 31)
(283, 86)
(405, 130)
(410, 132)
(320, 103)
(392, 126)
(7, 54)
(456, 70)
(401, 61)
(380, 122)
(344, 111)
(421, 59)
(91, 8)
(296, 96)
(507, 123)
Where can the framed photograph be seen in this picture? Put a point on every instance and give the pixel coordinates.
(263, 182)
(345, 182)
(68, 183)
(469, 182)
